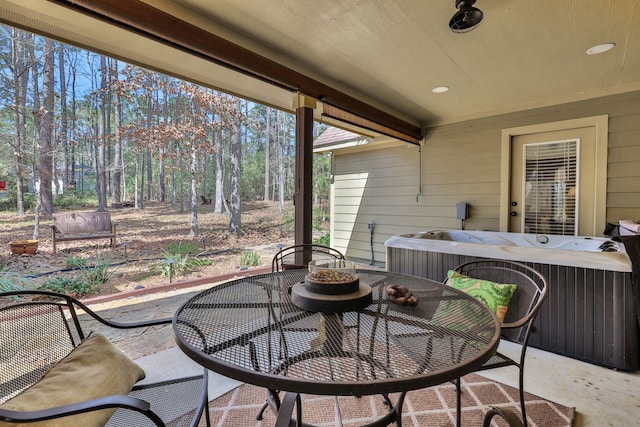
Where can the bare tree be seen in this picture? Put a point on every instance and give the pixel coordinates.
(219, 152)
(147, 153)
(193, 165)
(118, 160)
(45, 132)
(63, 139)
(20, 75)
(72, 62)
(235, 173)
(267, 155)
(101, 140)
(162, 148)
(280, 141)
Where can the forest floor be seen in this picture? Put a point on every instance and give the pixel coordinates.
(143, 237)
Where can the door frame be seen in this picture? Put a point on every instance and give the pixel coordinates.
(601, 125)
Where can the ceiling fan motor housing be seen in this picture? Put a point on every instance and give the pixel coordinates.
(467, 17)
(463, 3)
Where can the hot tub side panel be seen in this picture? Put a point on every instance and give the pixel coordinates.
(589, 314)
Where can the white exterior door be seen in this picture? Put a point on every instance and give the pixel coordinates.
(553, 182)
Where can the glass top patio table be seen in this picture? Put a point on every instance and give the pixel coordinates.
(252, 332)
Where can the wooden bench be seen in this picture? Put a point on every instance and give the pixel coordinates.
(82, 226)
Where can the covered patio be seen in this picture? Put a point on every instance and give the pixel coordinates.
(391, 72)
(396, 74)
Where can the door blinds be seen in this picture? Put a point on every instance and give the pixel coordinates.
(550, 187)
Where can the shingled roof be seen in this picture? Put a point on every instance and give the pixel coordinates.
(333, 136)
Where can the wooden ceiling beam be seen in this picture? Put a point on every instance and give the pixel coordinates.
(148, 21)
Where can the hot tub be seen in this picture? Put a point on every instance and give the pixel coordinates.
(590, 312)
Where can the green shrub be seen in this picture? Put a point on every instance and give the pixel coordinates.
(10, 281)
(250, 259)
(67, 285)
(99, 272)
(184, 260)
(75, 261)
(183, 248)
(324, 240)
(9, 201)
(71, 200)
(94, 274)
(289, 220)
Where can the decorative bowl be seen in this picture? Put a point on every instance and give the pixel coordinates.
(340, 265)
(331, 277)
(20, 247)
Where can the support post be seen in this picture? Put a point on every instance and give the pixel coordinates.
(303, 198)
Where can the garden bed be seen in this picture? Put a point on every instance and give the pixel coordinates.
(146, 234)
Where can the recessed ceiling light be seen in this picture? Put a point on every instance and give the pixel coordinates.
(440, 89)
(601, 48)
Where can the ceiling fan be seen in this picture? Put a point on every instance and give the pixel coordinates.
(466, 18)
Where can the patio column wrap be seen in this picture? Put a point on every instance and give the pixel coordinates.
(303, 199)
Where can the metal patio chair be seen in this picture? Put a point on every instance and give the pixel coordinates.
(524, 306)
(509, 416)
(41, 331)
(294, 257)
(299, 256)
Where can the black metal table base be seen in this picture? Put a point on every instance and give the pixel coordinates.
(285, 417)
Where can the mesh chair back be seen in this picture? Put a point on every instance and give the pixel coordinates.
(34, 336)
(299, 256)
(40, 328)
(526, 301)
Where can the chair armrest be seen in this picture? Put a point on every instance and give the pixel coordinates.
(122, 325)
(118, 401)
(508, 415)
(75, 303)
(112, 323)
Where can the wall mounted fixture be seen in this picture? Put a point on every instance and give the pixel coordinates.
(466, 18)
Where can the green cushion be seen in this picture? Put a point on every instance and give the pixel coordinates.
(495, 295)
(96, 368)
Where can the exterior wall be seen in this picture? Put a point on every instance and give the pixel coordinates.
(461, 162)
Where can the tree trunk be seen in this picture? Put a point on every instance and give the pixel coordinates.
(147, 152)
(235, 151)
(20, 82)
(136, 188)
(181, 186)
(141, 187)
(281, 159)
(63, 137)
(267, 153)
(116, 187)
(174, 184)
(219, 173)
(203, 169)
(101, 140)
(45, 136)
(162, 189)
(193, 194)
(73, 178)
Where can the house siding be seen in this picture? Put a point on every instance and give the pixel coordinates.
(461, 162)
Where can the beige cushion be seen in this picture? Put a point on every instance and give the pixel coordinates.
(96, 368)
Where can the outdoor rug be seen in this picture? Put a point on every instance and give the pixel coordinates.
(433, 407)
